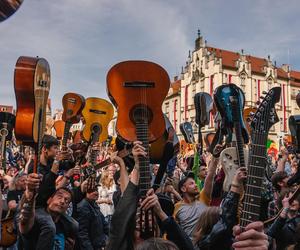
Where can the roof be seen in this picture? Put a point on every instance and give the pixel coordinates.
(176, 86)
(295, 75)
(228, 57)
(257, 63)
(282, 74)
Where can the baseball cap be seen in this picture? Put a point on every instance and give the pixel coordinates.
(184, 178)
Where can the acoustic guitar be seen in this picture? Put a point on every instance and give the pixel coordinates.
(97, 114)
(59, 126)
(138, 89)
(73, 105)
(32, 86)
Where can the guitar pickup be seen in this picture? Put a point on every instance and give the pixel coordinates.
(98, 112)
(139, 84)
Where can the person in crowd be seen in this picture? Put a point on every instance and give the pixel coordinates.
(18, 188)
(200, 170)
(93, 229)
(284, 229)
(105, 200)
(279, 181)
(193, 204)
(65, 227)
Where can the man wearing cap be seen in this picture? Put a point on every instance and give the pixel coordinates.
(194, 202)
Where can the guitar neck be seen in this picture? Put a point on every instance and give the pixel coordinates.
(108, 161)
(255, 177)
(66, 133)
(238, 133)
(145, 173)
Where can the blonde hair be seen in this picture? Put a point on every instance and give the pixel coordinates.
(208, 218)
(106, 180)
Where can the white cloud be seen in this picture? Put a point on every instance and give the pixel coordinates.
(83, 39)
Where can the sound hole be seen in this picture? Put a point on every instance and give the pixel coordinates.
(141, 114)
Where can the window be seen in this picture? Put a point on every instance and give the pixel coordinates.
(167, 108)
(243, 80)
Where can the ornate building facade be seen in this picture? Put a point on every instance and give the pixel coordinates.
(207, 68)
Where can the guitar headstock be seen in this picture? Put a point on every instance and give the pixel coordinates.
(266, 116)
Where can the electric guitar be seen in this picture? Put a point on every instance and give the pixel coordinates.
(138, 89)
(230, 101)
(264, 118)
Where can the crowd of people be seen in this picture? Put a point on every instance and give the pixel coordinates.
(63, 206)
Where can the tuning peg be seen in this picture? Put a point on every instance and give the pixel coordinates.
(261, 97)
(258, 102)
(264, 92)
(251, 114)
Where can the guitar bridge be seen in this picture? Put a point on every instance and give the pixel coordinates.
(139, 84)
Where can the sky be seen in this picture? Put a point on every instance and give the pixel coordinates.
(83, 39)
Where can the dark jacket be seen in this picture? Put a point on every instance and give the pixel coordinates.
(176, 234)
(47, 186)
(220, 236)
(123, 220)
(93, 229)
(284, 231)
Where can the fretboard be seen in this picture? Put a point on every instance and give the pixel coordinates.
(145, 173)
(66, 133)
(255, 177)
(239, 144)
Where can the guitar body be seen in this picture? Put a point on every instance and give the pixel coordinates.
(59, 126)
(138, 89)
(157, 148)
(203, 106)
(32, 85)
(294, 126)
(97, 114)
(8, 234)
(208, 139)
(230, 164)
(8, 120)
(187, 132)
(73, 105)
(222, 100)
(247, 117)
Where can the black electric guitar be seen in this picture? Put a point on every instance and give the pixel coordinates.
(203, 106)
(264, 118)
